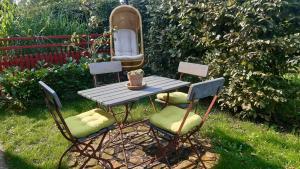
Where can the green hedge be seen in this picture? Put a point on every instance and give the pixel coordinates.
(21, 89)
(253, 44)
(7, 10)
(37, 18)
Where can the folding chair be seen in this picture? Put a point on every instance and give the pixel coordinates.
(104, 68)
(180, 98)
(80, 130)
(180, 124)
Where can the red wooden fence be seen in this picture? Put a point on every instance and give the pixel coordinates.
(16, 55)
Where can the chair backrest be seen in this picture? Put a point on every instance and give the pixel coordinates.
(54, 105)
(204, 89)
(125, 42)
(105, 67)
(193, 69)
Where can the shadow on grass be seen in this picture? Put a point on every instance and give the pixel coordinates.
(15, 162)
(235, 153)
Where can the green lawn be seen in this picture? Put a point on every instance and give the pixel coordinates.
(31, 140)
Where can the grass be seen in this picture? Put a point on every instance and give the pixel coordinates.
(31, 140)
(247, 145)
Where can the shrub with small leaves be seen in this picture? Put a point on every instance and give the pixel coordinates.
(253, 44)
(21, 88)
(7, 11)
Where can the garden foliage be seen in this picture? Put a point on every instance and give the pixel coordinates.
(22, 90)
(40, 18)
(7, 10)
(253, 44)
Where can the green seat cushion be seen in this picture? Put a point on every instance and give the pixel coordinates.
(89, 122)
(170, 119)
(174, 97)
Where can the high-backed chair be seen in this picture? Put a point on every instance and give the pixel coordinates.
(126, 38)
(180, 124)
(104, 68)
(80, 130)
(180, 98)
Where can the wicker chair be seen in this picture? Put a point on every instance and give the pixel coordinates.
(80, 130)
(178, 125)
(126, 40)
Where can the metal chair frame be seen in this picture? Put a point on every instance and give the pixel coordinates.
(175, 140)
(80, 145)
(185, 68)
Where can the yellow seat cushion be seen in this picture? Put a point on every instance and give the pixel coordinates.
(89, 122)
(174, 97)
(170, 119)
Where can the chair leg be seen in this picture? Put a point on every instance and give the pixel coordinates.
(94, 155)
(86, 146)
(152, 103)
(99, 159)
(194, 149)
(85, 162)
(99, 148)
(107, 162)
(101, 142)
(123, 147)
(156, 139)
(160, 148)
(120, 127)
(196, 152)
(102, 107)
(126, 113)
(61, 158)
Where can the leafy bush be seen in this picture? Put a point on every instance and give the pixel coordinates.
(21, 87)
(290, 110)
(7, 10)
(254, 44)
(36, 18)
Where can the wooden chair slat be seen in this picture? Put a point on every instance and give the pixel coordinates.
(193, 69)
(105, 67)
(204, 89)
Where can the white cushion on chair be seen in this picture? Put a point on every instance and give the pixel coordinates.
(125, 43)
(125, 58)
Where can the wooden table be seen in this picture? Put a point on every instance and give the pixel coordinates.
(118, 94)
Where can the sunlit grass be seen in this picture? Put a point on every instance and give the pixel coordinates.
(31, 140)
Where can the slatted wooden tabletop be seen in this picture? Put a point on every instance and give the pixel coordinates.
(118, 93)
